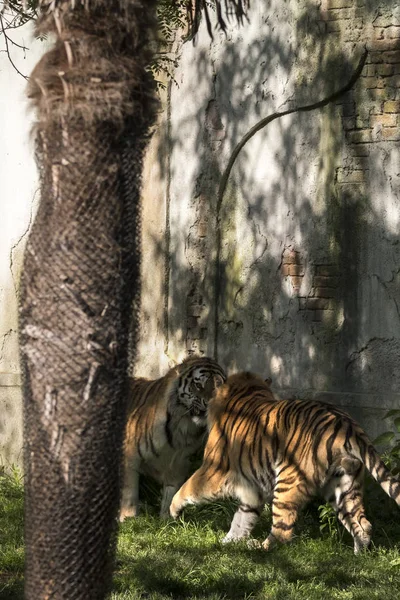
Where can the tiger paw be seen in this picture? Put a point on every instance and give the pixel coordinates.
(268, 543)
(174, 511)
(229, 539)
(253, 544)
(127, 513)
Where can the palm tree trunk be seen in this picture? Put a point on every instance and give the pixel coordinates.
(95, 104)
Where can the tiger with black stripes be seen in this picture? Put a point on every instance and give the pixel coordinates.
(261, 448)
(166, 427)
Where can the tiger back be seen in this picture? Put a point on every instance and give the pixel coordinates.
(166, 427)
(261, 448)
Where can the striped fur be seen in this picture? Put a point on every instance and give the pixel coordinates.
(261, 448)
(167, 420)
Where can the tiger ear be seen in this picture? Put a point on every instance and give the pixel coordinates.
(221, 392)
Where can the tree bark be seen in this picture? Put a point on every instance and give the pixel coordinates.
(95, 104)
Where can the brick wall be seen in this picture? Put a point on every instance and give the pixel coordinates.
(370, 114)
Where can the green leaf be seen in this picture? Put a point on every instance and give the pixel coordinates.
(397, 423)
(384, 438)
(392, 413)
(395, 562)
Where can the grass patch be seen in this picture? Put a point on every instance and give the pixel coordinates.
(11, 535)
(159, 560)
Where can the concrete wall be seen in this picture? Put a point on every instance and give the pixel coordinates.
(18, 196)
(310, 253)
(309, 291)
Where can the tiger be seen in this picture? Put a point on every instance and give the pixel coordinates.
(166, 427)
(261, 449)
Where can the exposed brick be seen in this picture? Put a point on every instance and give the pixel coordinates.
(349, 123)
(321, 281)
(379, 33)
(194, 310)
(360, 163)
(329, 316)
(285, 270)
(373, 82)
(291, 257)
(347, 176)
(339, 4)
(334, 14)
(362, 122)
(295, 270)
(202, 229)
(325, 292)
(296, 282)
(375, 57)
(386, 21)
(392, 32)
(369, 70)
(318, 315)
(317, 303)
(391, 134)
(333, 26)
(383, 45)
(192, 322)
(302, 303)
(386, 120)
(359, 137)
(392, 106)
(326, 270)
(384, 70)
(357, 21)
(360, 151)
(332, 304)
(348, 109)
(353, 35)
(391, 57)
(393, 81)
(381, 94)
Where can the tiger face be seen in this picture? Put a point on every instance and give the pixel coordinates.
(195, 390)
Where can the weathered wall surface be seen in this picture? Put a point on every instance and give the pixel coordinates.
(309, 291)
(18, 190)
(310, 288)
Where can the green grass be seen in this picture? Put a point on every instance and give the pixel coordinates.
(11, 536)
(157, 560)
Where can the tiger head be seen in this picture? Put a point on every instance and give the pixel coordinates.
(196, 386)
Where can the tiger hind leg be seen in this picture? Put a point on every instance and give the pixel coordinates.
(243, 522)
(286, 503)
(345, 494)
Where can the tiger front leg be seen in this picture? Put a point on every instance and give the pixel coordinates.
(200, 487)
(130, 492)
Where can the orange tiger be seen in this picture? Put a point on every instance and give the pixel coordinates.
(261, 448)
(166, 426)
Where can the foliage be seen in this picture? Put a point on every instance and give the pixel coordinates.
(172, 16)
(328, 520)
(392, 456)
(160, 560)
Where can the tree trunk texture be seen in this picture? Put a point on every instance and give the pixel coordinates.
(95, 104)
